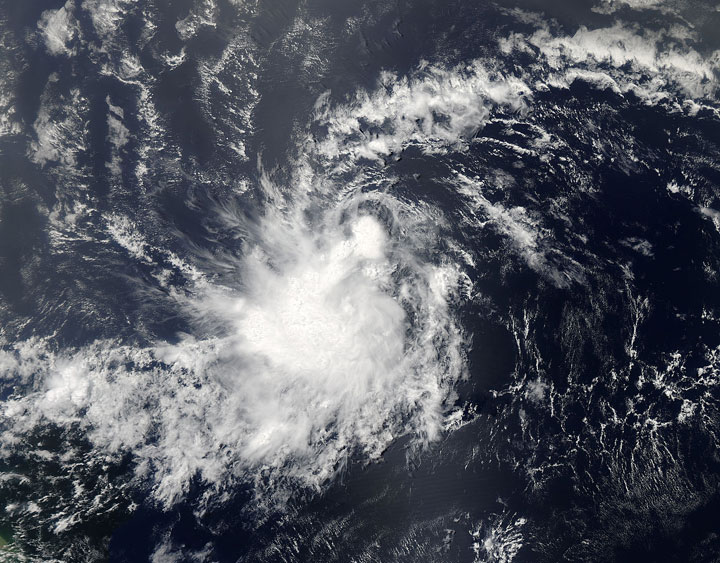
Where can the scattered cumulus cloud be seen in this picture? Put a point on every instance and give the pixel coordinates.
(434, 107)
(655, 65)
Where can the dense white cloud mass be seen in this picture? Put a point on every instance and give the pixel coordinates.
(340, 333)
(316, 358)
(58, 29)
(106, 15)
(60, 132)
